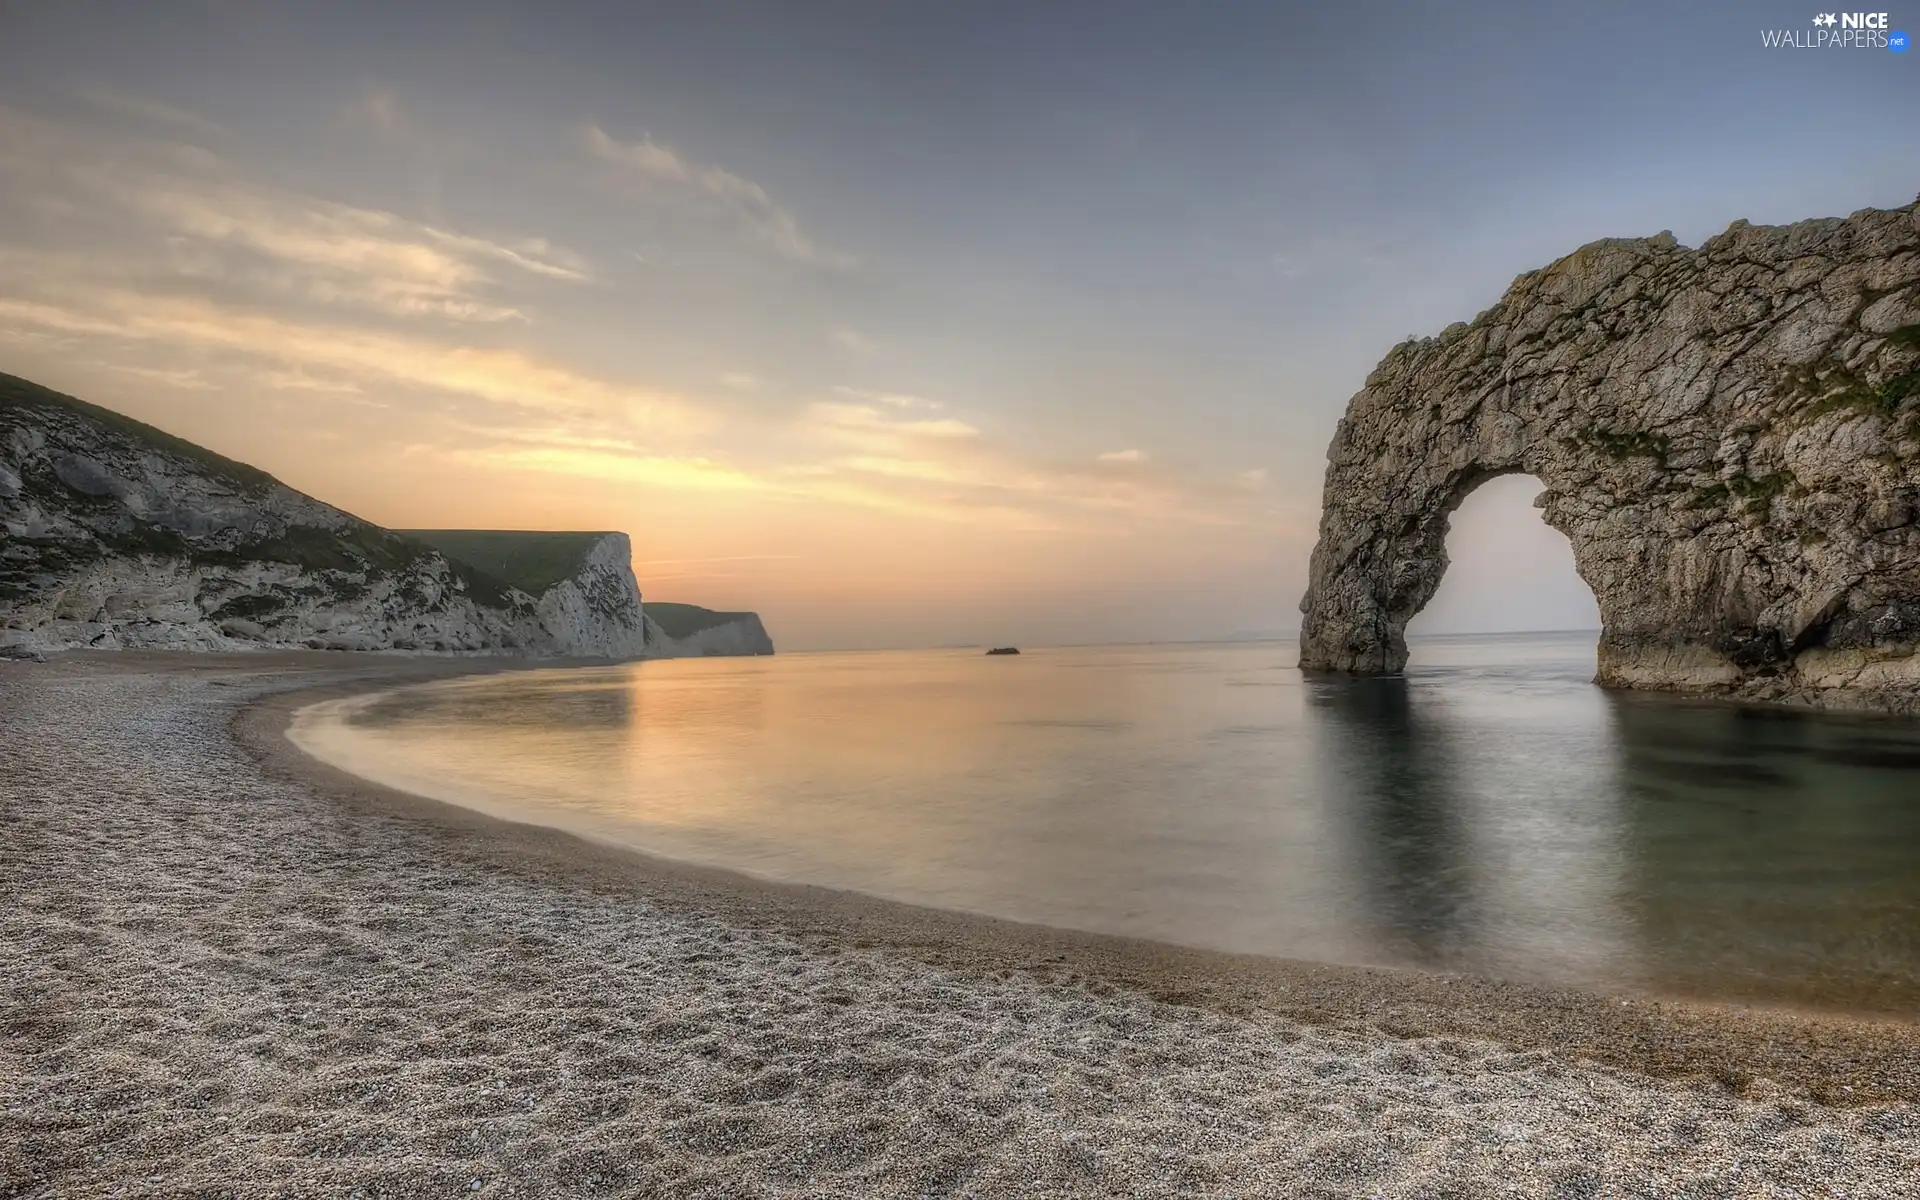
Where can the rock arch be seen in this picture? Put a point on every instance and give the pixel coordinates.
(1728, 436)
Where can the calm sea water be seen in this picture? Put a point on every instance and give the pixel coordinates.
(1491, 811)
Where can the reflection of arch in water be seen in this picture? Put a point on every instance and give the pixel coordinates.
(1398, 787)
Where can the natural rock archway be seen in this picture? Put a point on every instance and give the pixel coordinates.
(1729, 436)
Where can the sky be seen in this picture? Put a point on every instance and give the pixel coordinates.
(900, 324)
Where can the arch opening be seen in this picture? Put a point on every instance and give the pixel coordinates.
(1504, 569)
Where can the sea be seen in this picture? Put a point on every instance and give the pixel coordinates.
(1491, 811)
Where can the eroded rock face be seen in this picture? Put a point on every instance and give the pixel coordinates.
(116, 535)
(596, 611)
(1728, 435)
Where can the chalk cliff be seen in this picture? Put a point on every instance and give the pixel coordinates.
(1729, 436)
(689, 631)
(115, 534)
(583, 583)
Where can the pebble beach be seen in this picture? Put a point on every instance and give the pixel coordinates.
(229, 971)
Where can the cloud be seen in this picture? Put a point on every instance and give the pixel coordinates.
(950, 467)
(885, 458)
(896, 399)
(507, 378)
(157, 255)
(300, 381)
(858, 421)
(739, 196)
(146, 111)
(185, 380)
(377, 108)
(184, 215)
(679, 474)
(342, 254)
(854, 340)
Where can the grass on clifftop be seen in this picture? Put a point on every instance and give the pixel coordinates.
(16, 392)
(531, 560)
(685, 620)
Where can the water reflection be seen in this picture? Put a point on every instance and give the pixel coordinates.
(1774, 851)
(515, 703)
(1409, 846)
(1491, 811)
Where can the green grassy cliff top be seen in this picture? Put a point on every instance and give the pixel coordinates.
(685, 620)
(16, 392)
(531, 560)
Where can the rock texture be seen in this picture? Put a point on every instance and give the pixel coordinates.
(116, 534)
(689, 631)
(587, 596)
(1729, 436)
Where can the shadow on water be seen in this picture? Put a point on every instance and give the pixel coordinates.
(1772, 852)
(1408, 837)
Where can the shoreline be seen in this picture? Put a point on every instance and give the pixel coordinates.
(1835, 1056)
(233, 970)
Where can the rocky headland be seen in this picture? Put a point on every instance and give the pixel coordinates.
(689, 631)
(1729, 436)
(117, 535)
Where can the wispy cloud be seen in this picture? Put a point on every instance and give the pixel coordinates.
(860, 423)
(375, 107)
(152, 255)
(300, 381)
(952, 467)
(633, 467)
(895, 399)
(507, 378)
(203, 222)
(853, 339)
(191, 381)
(744, 199)
(344, 254)
(898, 460)
(147, 111)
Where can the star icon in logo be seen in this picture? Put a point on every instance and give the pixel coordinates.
(1826, 19)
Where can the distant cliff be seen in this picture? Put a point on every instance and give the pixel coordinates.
(583, 583)
(689, 631)
(116, 534)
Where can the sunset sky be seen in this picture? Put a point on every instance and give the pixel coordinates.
(902, 324)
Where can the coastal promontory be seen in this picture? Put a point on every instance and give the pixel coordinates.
(115, 534)
(1729, 436)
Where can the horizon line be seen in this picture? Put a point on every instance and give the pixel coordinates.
(1228, 640)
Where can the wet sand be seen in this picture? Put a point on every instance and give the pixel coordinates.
(231, 970)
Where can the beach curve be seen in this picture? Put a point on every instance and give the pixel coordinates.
(238, 970)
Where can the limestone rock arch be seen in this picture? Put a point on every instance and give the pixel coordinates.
(1729, 436)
